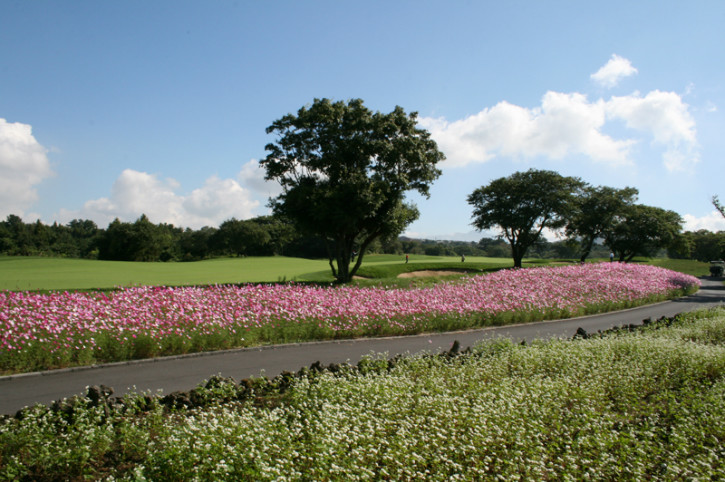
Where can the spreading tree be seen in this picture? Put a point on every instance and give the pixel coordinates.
(523, 204)
(344, 171)
(594, 212)
(642, 230)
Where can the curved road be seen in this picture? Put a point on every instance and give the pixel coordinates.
(183, 373)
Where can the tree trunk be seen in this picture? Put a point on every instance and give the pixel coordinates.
(330, 257)
(343, 273)
(586, 249)
(343, 265)
(363, 248)
(517, 254)
(343, 252)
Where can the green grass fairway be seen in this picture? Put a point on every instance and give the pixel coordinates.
(36, 273)
(689, 266)
(21, 273)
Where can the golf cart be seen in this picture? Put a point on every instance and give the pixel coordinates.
(716, 268)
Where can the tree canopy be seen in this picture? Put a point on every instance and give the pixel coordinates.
(594, 211)
(523, 204)
(702, 245)
(642, 230)
(345, 170)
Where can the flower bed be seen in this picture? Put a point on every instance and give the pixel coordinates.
(641, 405)
(50, 330)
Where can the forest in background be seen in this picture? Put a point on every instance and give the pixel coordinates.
(143, 240)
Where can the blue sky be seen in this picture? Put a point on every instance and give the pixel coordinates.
(114, 109)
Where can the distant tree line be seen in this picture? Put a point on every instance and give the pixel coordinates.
(702, 245)
(143, 240)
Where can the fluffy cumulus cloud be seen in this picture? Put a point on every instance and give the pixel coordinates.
(666, 118)
(564, 124)
(135, 193)
(23, 165)
(613, 71)
(252, 177)
(712, 222)
(569, 124)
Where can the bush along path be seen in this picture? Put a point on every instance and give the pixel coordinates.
(631, 403)
(45, 331)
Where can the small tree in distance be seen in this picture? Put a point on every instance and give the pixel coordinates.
(344, 171)
(523, 204)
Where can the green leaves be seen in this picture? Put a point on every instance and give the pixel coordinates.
(523, 205)
(345, 171)
(642, 230)
(595, 211)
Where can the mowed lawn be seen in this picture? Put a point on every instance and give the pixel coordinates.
(21, 273)
(38, 273)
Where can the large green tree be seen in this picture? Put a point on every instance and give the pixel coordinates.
(595, 209)
(642, 230)
(523, 204)
(345, 170)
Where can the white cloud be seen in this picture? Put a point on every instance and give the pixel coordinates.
(135, 193)
(712, 222)
(666, 118)
(23, 165)
(252, 176)
(567, 125)
(613, 71)
(564, 124)
(661, 113)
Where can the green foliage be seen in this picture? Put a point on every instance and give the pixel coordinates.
(138, 241)
(595, 210)
(642, 405)
(145, 241)
(702, 245)
(344, 171)
(642, 230)
(235, 237)
(76, 240)
(523, 204)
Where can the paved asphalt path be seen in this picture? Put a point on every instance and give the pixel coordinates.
(181, 373)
